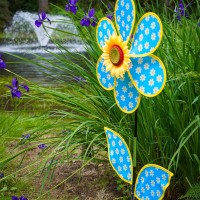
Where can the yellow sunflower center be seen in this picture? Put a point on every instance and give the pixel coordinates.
(116, 55)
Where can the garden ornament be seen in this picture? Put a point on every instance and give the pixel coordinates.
(128, 66)
(130, 69)
(151, 181)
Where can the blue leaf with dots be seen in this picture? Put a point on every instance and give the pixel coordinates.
(152, 181)
(125, 17)
(147, 35)
(148, 75)
(105, 29)
(126, 95)
(105, 79)
(119, 155)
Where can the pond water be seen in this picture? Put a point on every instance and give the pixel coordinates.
(26, 70)
(24, 39)
(33, 72)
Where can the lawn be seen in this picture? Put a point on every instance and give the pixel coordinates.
(68, 120)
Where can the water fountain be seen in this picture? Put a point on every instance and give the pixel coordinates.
(23, 36)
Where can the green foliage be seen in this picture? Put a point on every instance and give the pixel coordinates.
(4, 14)
(169, 125)
(124, 188)
(193, 193)
(26, 5)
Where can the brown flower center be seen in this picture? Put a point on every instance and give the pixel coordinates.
(116, 55)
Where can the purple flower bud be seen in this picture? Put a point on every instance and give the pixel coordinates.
(43, 15)
(91, 13)
(73, 9)
(15, 83)
(110, 16)
(2, 63)
(27, 136)
(42, 146)
(93, 23)
(85, 21)
(109, 6)
(73, 2)
(38, 23)
(67, 7)
(25, 87)
(1, 175)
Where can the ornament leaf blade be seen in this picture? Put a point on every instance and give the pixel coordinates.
(119, 155)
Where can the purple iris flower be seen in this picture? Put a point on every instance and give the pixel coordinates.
(89, 19)
(181, 10)
(42, 146)
(41, 19)
(109, 7)
(27, 136)
(20, 198)
(2, 63)
(71, 6)
(15, 92)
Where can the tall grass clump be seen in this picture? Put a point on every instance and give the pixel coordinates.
(168, 125)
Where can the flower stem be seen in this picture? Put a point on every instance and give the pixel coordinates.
(134, 155)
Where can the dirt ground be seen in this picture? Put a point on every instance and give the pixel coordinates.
(93, 182)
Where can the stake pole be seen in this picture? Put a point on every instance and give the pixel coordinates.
(134, 153)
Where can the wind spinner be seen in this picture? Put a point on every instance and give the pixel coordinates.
(131, 70)
(151, 181)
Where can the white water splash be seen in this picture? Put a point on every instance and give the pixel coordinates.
(21, 19)
(33, 48)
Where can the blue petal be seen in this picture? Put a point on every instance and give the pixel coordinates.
(105, 79)
(148, 75)
(8, 86)
(85, 21)
(15, 82)
(23, 198)
(91, 12)
(126, 95)
(26, 87)
(105, 29)
(38, 23)
(125, 17)
(152, 181)
(2, 64)
(119, 155)
(147, 36)
(43, 15)
(16, 93)
(14, 198)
